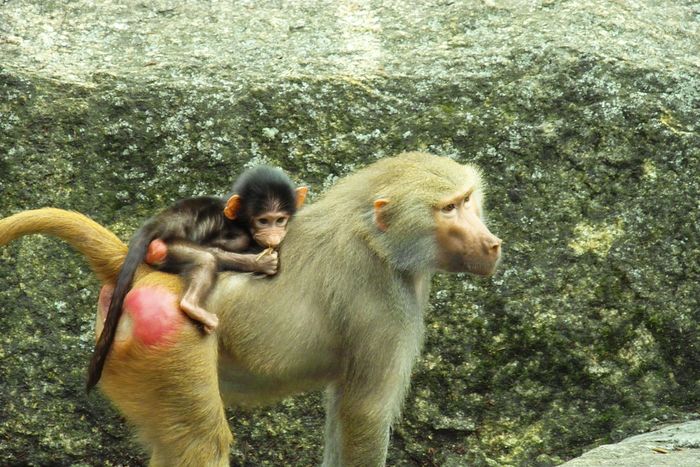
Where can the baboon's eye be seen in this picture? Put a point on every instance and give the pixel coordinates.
(449, 208)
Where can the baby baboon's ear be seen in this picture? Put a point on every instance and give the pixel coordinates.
(301, 195)
(233, 205)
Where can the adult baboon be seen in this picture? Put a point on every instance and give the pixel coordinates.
(343, 313)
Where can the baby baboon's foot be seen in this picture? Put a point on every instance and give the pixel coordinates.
(199, 314)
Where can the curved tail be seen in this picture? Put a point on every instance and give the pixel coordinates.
(104, 251)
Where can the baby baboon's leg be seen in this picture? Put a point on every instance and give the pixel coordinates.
(199, 268)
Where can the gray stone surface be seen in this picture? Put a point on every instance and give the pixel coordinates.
(583, 115)
(225, 42)
(677, 445)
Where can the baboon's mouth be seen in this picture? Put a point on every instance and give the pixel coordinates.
(481, 268)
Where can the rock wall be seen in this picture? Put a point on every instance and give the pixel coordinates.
(583, 115)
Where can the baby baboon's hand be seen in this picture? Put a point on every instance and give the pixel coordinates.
(267, 263)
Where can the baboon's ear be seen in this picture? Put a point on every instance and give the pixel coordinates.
(301, 195)
(233, 205)
(380, 213)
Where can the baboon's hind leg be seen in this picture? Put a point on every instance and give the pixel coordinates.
(163, 377)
